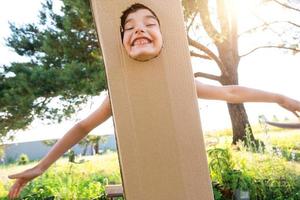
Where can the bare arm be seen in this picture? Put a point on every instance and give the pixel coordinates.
(73, 136)
(235, 94)
(239, 94)
(76, 133)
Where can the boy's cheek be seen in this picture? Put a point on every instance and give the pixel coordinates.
(126, 40)
(125, 43)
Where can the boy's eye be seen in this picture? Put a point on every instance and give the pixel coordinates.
(128, 28)
(149, 25)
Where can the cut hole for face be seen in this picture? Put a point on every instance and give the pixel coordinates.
(140, 32)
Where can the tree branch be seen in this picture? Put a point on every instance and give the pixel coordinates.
(286, 5)
(207, 24)
(271, 46)
(223, 19)
(208, 76)
(199, 55)
(234, 31)
(294, 24)
(268, 24)
(192, 21)
(209, 53)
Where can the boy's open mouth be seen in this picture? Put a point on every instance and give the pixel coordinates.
(141, 41)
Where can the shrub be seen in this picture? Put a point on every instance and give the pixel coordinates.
(23, 159)
(263, 175)
(71, 156)
(66, 180)
(226, 178)
(3, 191)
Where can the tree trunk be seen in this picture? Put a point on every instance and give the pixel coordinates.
(225, 38)
(240, 123)
(237, 112)
(85, 149)
(96, 147)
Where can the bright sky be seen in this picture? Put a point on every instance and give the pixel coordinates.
(269, 70)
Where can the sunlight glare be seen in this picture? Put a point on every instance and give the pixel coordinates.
(244, 12)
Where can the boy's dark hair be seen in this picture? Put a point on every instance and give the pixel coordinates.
(133, 8)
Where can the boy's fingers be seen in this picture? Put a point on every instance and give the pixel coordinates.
(13, 196)
(17, 192)
(12, 176)
(15, 176)
(12, 192)
(16, 188)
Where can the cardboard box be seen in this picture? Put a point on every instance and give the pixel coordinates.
(159, 138)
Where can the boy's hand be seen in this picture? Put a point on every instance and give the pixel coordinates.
(291, 105)
(21, 180)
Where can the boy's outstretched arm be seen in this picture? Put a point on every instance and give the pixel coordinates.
(239, 94)
(73, 136)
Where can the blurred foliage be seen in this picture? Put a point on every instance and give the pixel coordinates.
(264, 175)
(2, 151)
(94, 141)
(66, 180)
(49, 143)
(64, 68)
(23, 159)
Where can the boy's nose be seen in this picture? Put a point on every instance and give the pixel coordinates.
(140, 29)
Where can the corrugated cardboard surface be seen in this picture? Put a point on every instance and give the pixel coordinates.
(155, 109)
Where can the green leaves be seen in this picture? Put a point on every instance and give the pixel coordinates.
(65, 64)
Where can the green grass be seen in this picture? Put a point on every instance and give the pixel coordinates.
(256, 128)
(275, 136)
(268, 175)
(66, 180)
(6, 170)
(271, 174)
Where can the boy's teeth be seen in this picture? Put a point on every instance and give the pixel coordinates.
(141, 41)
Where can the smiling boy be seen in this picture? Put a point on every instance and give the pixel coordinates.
(140, 32)
(142, 40)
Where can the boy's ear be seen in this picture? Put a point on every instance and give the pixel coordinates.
(121, 33)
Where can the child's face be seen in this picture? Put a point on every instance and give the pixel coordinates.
(142, 37)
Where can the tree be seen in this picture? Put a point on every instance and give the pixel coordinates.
(218, 21)
(2, 152)
(49, 143)
(94, 142)
(66, 64)
(64, 70)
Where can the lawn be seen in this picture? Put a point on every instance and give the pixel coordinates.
(271, 174)
(85, 179)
